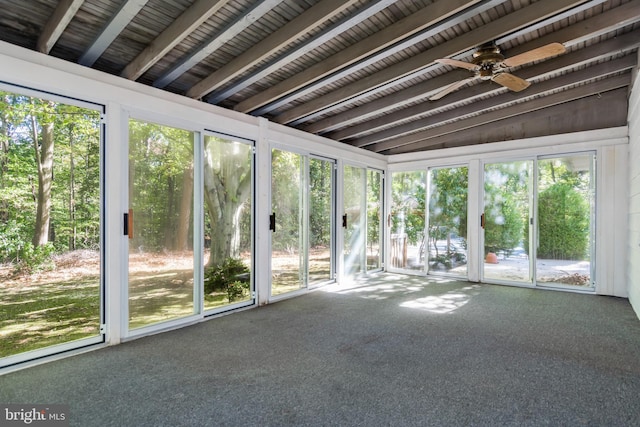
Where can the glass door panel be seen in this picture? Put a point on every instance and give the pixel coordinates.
(566, 195)
(288, 227)
(374, 219)
(161, 261)
(228, 184)
(321, 173)
(506, 218)
(50, 227)
(354, 220)
(408, 240)
(447, 242)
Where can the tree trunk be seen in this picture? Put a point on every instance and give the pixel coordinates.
(4, 164)
(185, 209)
(44, 161)
(169, 220)
(225, 212)
(226, 188)
(72, 194)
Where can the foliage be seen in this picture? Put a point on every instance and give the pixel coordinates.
(237, 289)
(320, 191)
(506, 206)
(36, 258)
(563, 217)
(374, 206)
(354, 208)
(408, 204)
(286, 191)
(11, 241)
(503, 226)
(448, 212)
(74, 176)
(227, 191)
(224, 275)
(160, 160)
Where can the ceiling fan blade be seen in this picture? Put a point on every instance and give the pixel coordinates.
(543, 52)
(511, 82)
(456, 63)
(450, 88)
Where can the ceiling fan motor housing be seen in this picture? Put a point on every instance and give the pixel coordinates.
(486, 58)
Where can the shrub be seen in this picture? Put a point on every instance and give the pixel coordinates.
(12, 241)
(503, 226)
(237, 290)
(220, 277)
(38, 258)
(563, 216)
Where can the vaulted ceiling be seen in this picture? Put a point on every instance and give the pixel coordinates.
(362, 72)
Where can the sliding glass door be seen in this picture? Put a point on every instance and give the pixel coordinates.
(51, 291)
(228, 221)
(362, 219)
(508, 195)
(565, 212)
(301, 221)
(446, 245)
(538, 221)
(354, 219)
(286, 220)
(321, 220)
(407, 221)
(375, 188)
(160, 224)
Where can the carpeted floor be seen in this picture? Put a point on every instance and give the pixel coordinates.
(398, 351)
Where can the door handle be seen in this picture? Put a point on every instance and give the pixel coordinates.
(482, 220)
(344, 221)
(272, 222)
(128, 224)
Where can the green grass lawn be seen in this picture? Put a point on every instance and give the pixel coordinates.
(45, 314)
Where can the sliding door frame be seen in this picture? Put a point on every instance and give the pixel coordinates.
(199, 224)
(533, 218)
(74, 346)
(306, 155)
(118, 318)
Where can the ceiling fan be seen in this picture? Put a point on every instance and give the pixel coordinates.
(489, 63)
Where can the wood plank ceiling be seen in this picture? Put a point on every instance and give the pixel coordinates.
(357, 71)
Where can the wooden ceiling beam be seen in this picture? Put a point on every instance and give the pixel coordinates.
(118, 22)
(421, 140)
(377, 42)
(514, 21)
(184, 25)
(64, 13)
(256, 11)
(299, 26)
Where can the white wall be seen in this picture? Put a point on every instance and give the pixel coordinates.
(633, 248)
